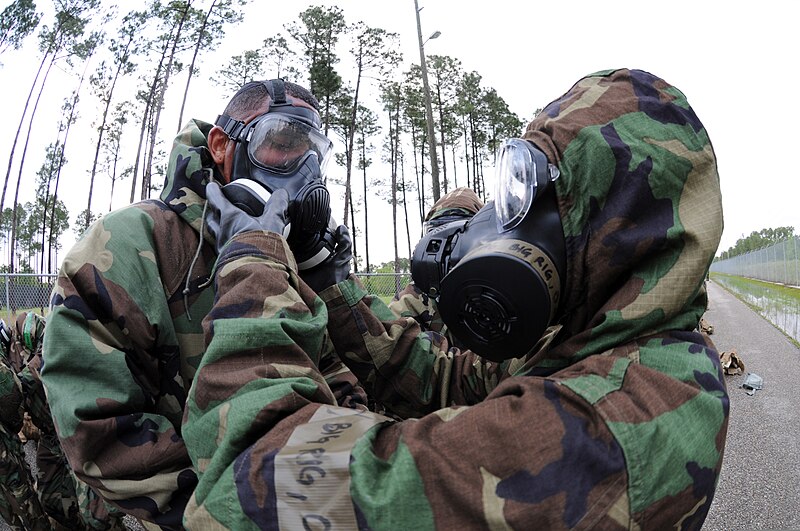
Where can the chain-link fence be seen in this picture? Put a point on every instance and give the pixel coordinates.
(25, 291)
(384, 284)
(776, 263)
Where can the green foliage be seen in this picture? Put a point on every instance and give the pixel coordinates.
(317, 33)
(403, 266)
(779, 304)
(17, 21)
(757, 240)
(83, 221)
(280, 59)
(154, 41)
(240, 69)
(64, 35)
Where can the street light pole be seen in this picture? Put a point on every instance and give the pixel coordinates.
(428, 107)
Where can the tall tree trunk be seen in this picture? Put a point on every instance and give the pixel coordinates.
(405, 201)
(353, 234)
(113, 175)
(145, 118)
(19, 128)
(441, 134)
(350, 139)
(147, 170)
(393, 170)
(61, 157)
(46, 205)
(159, 102)
(366, 210)
(194, 58)
(22, 165)
(466, 152)
(101, 130)
(417, 172)
(455, 166)
(474, 148)
(483, 183)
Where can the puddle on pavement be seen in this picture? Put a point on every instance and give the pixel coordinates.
(776, 303)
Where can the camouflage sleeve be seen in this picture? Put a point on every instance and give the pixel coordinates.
(10, 398)
(274, 451)
(411, 302)
(110, 371)
(344, 385)
(410, 371)
(259, 376)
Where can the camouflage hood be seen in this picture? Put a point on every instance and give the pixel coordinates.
(460, 202)
(640, 204)
(190, 166)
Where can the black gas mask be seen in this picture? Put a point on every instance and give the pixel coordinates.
(284, 148)
(498, 276)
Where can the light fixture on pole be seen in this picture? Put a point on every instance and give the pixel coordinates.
(428, 105)
(434, 35)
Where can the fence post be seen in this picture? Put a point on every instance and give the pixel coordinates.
(785, 246)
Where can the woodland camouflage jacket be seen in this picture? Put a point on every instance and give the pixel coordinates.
(619, 422)
(124, 339)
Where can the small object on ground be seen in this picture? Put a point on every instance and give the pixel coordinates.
(706, 327)
(752, 383)
(731, 363)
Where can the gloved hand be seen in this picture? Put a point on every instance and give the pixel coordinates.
(336, 268)
(225, 220)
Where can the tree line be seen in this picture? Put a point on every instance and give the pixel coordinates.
(369, 103)
(757, 240)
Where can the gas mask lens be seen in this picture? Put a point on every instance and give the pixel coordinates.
(280, 143)
(515, 183)
(522, 174)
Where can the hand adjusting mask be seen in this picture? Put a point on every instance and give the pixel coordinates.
(284, 148)
(498, 276)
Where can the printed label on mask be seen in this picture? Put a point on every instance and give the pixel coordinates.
(534, 256)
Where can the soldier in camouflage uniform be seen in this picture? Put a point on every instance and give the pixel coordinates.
(19, 505)
(57, 487)
(618, 422)
(458, 204)
(125, 333)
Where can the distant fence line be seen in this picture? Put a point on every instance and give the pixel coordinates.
(779, 262)
(25, 291)
(384, 284)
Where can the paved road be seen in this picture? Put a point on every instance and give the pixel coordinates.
(760, 483)
(759, 487)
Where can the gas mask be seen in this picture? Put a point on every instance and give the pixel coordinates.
(498, 276)
(284, 148)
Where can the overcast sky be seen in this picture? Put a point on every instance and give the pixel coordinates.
(737, 65)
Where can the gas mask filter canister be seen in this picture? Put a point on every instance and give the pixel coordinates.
(498, 277)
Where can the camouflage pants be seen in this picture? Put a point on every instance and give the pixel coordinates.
(69, 502)
(55, 484)
(19, 505)
(96, 513)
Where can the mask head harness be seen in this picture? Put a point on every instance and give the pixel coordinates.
(30, 332)
(5, 336)
(498, 276)
(284, 148)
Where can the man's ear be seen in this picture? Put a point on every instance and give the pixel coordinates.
(217, 144)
